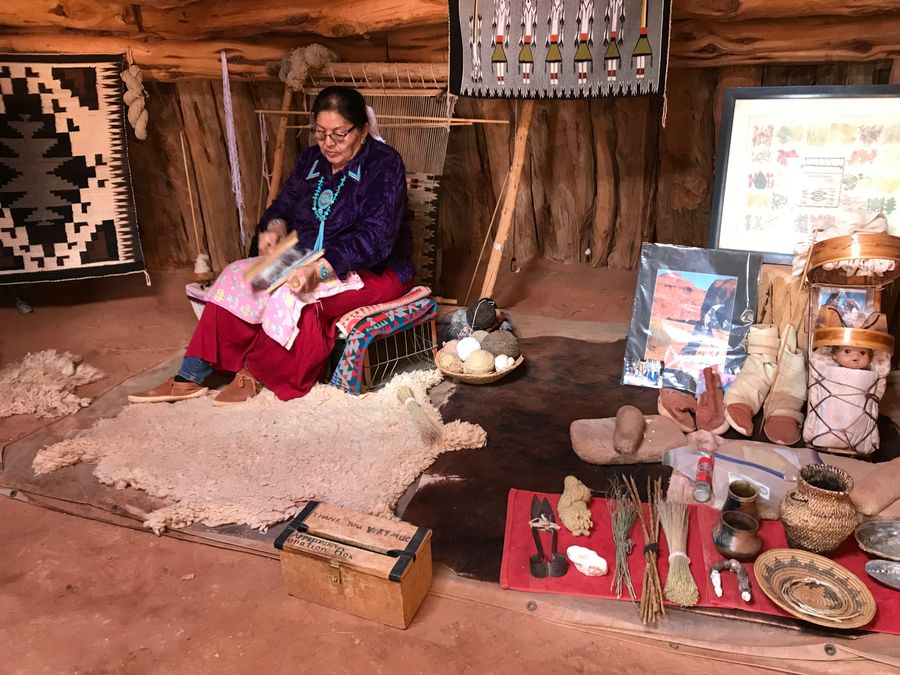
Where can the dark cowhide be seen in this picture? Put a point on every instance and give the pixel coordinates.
(527, 417)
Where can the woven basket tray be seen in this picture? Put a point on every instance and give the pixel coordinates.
(486, 378)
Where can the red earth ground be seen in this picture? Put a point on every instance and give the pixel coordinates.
(86, 597)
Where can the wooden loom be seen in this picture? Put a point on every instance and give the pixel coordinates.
(416, 113)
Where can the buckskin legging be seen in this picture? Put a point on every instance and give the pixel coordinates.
(229, 343)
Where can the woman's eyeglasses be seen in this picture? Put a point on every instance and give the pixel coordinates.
(336, 136)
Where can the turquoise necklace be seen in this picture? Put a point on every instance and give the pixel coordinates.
(322, 203)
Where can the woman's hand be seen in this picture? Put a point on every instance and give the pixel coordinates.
(304, 278)
(268, 239)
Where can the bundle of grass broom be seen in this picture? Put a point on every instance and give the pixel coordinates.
(680, 585)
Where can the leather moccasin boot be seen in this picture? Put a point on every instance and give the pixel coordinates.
(242, 388)
(711, 404)
(678, 406)
(169, 391)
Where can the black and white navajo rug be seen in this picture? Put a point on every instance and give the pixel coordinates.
(66, 204)
(558, 48)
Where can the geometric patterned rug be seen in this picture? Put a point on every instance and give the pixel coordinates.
(66, 203)
(422, 209)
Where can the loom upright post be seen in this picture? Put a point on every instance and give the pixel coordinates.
(509, 204)
(280, 139)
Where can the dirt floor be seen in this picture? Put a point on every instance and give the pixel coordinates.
(80, 596)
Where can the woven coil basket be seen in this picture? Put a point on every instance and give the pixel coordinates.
(484, 378)
(819, 515)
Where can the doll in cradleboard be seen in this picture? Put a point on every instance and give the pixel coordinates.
(846, 383)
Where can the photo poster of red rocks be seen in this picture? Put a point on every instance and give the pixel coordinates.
(692, 310)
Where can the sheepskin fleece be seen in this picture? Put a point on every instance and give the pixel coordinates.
(252, 463)
(44, 384)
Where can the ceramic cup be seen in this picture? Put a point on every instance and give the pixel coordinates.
(742, 496)
(736, 536)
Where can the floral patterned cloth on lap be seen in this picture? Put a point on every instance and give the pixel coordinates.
(279, 312)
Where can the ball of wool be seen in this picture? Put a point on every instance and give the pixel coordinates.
(501, 342)
(466, 346)
(481, 314)
(449, 362)
(450, 348)
(479, 362)
(503, 362)
(480, 335)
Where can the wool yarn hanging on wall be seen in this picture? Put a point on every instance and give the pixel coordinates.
(558, 48)
(66, 203)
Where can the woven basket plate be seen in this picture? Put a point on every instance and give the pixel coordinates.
(486, 378)
(880, 538)
(814, 588)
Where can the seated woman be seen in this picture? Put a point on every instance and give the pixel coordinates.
(348, 195)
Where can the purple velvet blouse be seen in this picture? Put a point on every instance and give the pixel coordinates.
(365, 229)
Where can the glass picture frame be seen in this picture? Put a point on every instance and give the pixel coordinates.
(794, 160)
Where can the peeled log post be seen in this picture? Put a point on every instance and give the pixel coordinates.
(246, 131)
(206, 143)
(686, 153)
(509, 201)
(160, 184)
(605, 173)
(565, 166)
(738, 76)
(280, 140)
(638, 122)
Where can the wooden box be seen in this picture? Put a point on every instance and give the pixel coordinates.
(372, 567)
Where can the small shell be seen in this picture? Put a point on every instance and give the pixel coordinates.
(587, 561)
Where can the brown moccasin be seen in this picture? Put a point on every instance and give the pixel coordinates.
(243, 387)
(169, 391)
(711, 404)
(678, 406)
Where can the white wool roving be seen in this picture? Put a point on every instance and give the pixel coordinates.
(254, 463)
(44, 384)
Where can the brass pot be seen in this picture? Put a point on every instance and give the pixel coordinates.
(736, 536)
(819, 515)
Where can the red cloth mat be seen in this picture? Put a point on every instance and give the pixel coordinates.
(518, 546)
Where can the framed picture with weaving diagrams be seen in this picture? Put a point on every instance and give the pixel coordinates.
(792, 161)
(66, 204)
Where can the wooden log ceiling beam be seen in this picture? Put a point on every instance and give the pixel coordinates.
(694, 43)
(194, 19)
(170, 60)
(715, 44)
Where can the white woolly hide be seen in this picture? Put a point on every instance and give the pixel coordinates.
(44, 384)
(252, 463)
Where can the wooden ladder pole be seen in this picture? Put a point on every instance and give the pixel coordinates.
(280, 140)
(509, 205)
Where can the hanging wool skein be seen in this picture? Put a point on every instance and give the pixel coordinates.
(232, 147)
(135, 98)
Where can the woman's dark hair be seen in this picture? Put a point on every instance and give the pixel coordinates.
(346, 101)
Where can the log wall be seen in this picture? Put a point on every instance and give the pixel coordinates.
(600, 176)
